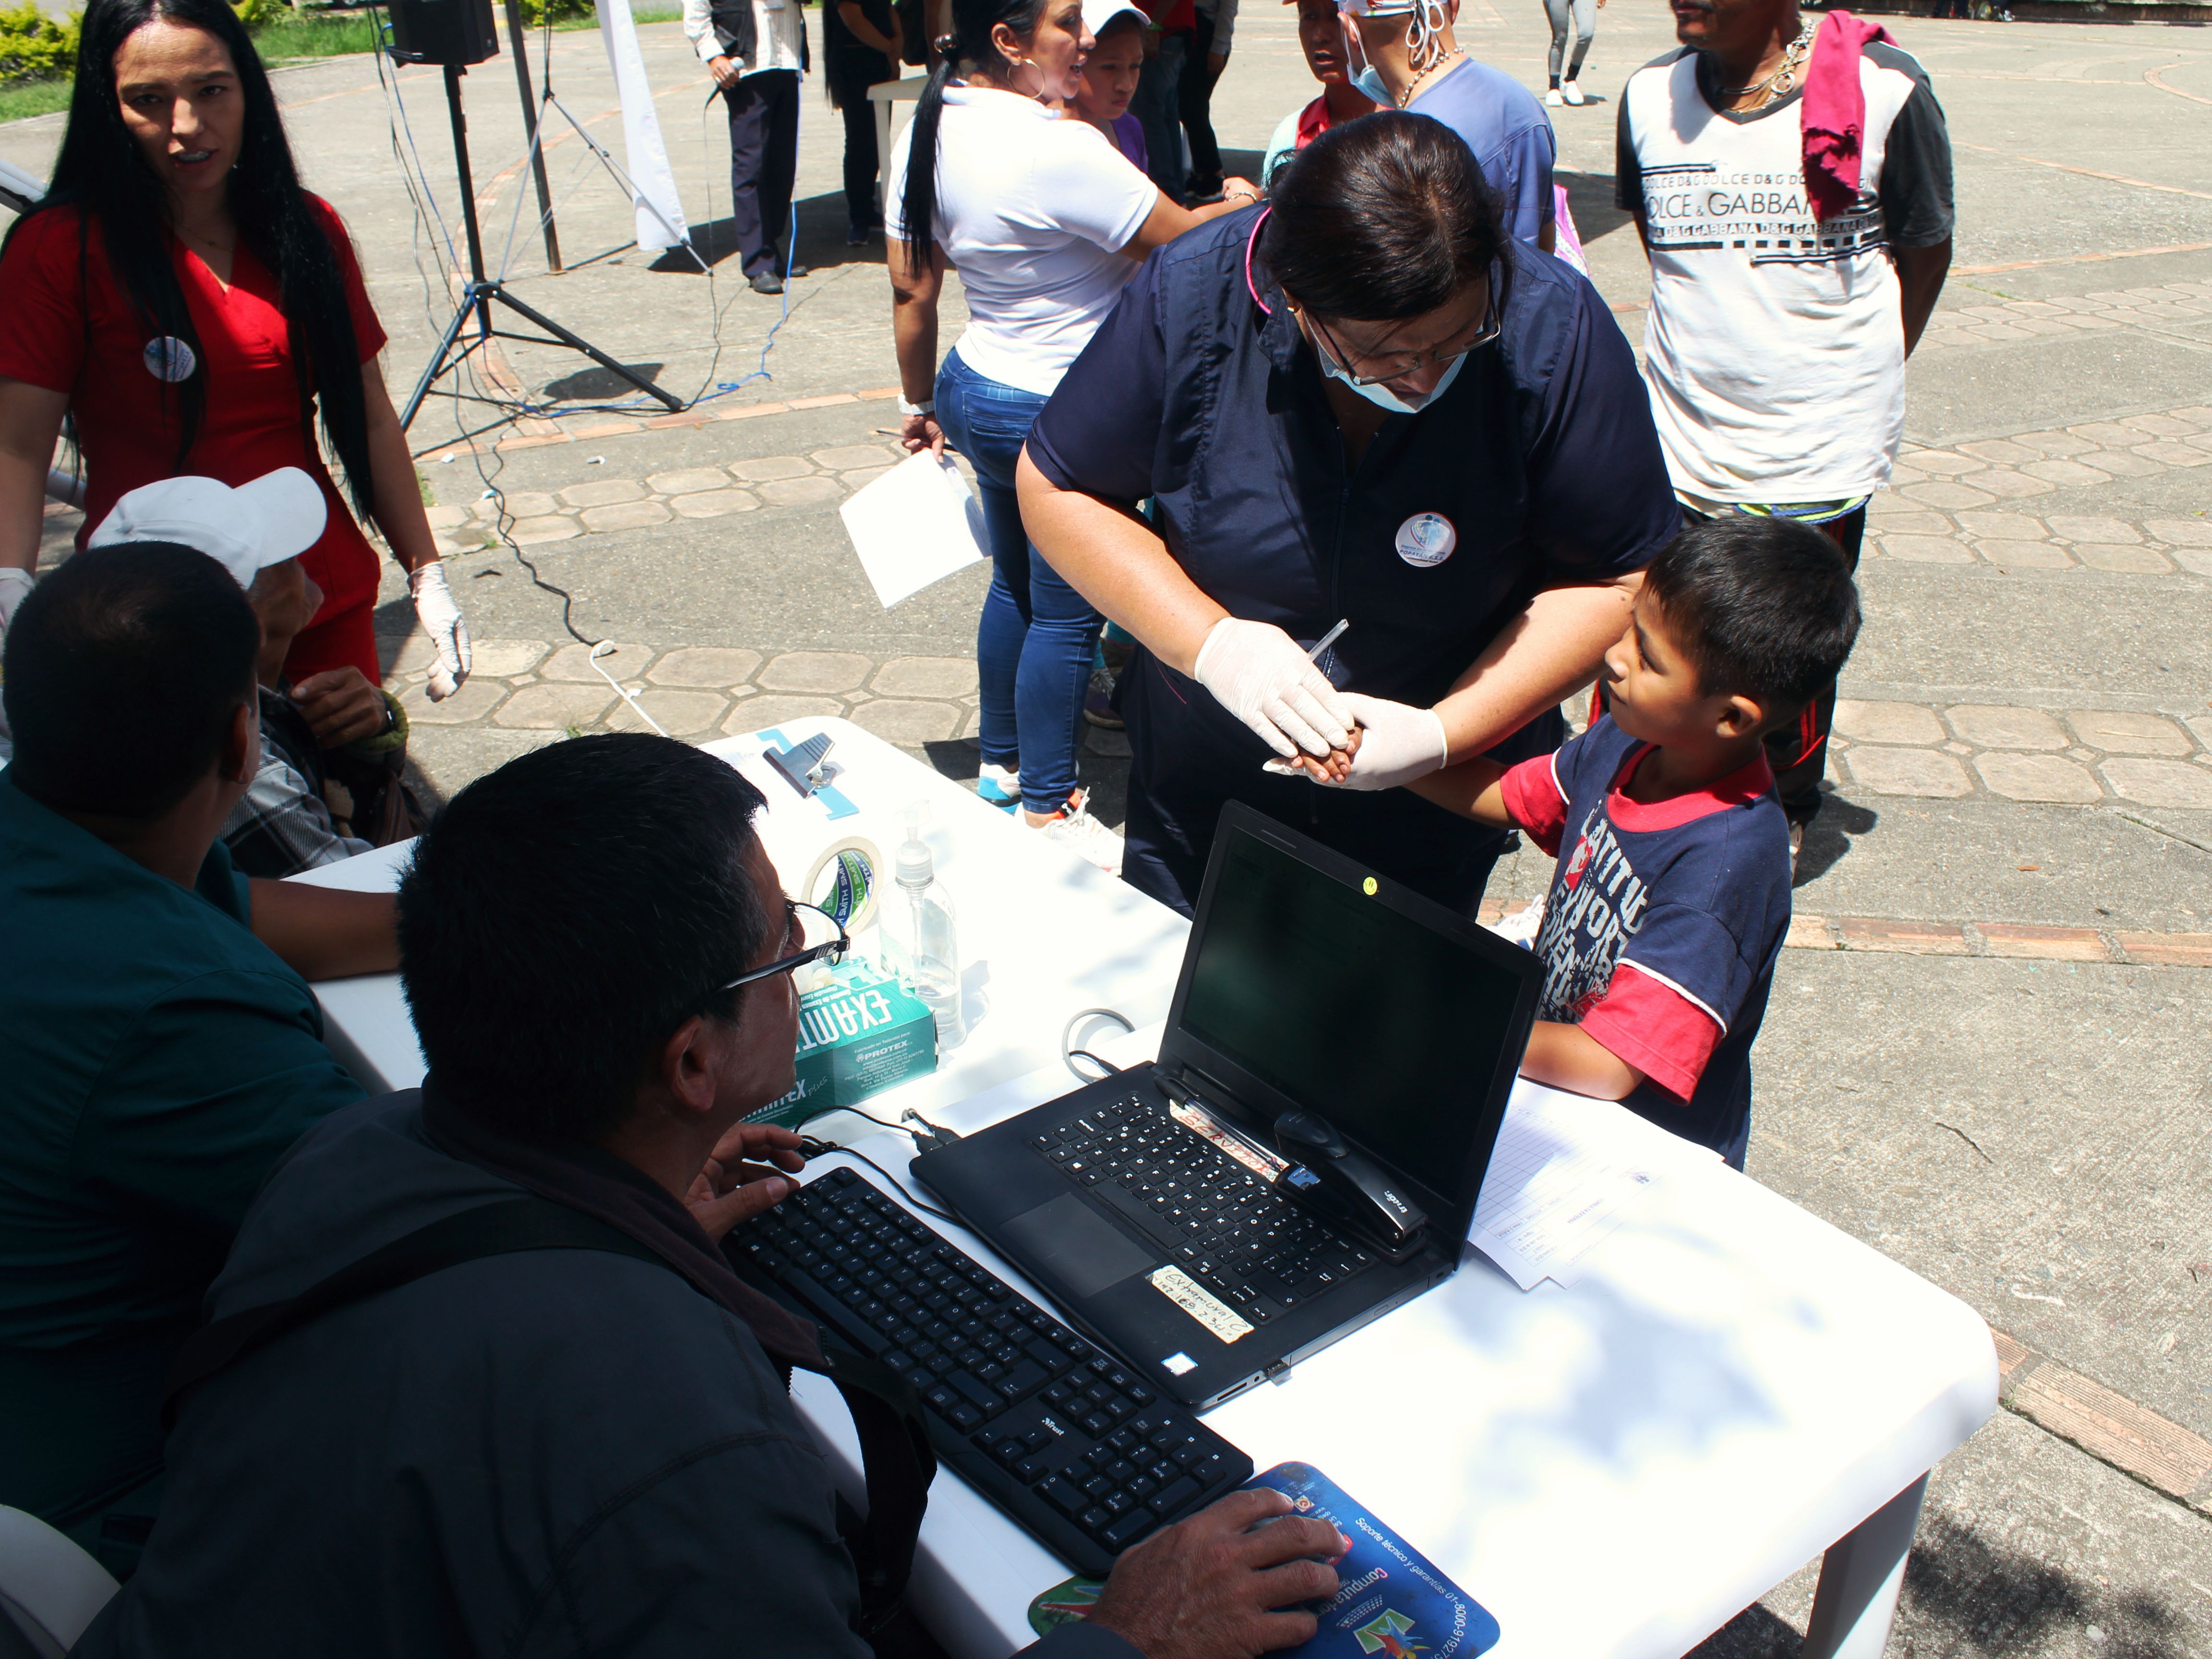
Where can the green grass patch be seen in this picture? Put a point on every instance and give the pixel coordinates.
(280, 34)
(29, 97)
(329, 34)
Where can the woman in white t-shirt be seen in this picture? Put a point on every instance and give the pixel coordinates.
(1045, 222)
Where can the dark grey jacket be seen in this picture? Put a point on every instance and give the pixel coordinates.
(558, 1452)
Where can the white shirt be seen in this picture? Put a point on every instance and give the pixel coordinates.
(1030, 210)
(1775, 352)
(777, 25)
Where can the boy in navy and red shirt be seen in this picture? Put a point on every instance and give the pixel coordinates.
(1672, 894)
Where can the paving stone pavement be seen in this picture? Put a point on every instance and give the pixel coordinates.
(1984, 1054)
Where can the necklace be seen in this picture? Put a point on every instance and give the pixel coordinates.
(1414, 85)
(1783, 80)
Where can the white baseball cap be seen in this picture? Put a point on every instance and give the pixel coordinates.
(278, 516)
(1098, 13)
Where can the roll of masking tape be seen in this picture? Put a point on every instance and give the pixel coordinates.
(843, 881)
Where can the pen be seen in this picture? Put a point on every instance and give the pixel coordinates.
(1328, 639)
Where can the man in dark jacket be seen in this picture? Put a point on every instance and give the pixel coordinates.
(160, 1048)
(575, 1451)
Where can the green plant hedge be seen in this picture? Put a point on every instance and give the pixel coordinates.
(33, 46)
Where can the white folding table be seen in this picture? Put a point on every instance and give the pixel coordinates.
(1615, 1470)
(1042, 934)
(883, 95)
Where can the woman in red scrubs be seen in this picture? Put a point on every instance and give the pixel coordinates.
(195, 309)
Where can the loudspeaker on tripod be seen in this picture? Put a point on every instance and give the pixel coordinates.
(458, 32)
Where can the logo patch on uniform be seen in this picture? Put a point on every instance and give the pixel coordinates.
(1426, 539)
(169, 359)
(1576, 864)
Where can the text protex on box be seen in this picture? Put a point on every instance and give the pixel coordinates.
(862, 1033)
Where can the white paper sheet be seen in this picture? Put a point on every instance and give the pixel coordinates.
(1557, 1187)
(914, 526)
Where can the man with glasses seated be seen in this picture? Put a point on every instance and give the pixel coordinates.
(498, 1390)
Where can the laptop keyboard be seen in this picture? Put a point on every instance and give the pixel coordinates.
(1051, 1428)
(1228, 1228)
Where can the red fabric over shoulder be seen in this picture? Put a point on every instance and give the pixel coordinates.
(1833, 112)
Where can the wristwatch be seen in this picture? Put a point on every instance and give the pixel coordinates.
(926, 406)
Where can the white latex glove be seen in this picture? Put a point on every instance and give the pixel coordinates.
(1257, 673)
(440, 614)
(15, 586)
(1398, 743)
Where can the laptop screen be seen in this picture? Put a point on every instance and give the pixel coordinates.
(1387, 1028)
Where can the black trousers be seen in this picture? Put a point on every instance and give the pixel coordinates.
(861, 162)
(1194, 98)
(1799, 752)
(764, 164)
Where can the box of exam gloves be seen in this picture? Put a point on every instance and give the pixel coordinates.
(860, 1032)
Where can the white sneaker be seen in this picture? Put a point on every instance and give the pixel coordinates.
(1573, 94)
(1074, 828)
(1554, 98)
(999, 787)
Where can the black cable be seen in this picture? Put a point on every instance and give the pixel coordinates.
(882, 1123)
(1068, 1033)
(1110, 1068)
(927, 1136)
(813, 1147)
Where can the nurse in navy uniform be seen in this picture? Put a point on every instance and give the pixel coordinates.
(1362, 401)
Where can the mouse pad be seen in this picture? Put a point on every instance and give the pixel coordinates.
(1391, 1598)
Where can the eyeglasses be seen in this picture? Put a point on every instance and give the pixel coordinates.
(831, 950)
(1404, 362)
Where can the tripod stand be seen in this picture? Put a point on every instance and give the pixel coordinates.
(481, 291)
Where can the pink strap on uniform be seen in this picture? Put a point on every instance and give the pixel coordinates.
(1250, 242)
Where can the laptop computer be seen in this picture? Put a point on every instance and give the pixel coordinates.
(1306, 1152)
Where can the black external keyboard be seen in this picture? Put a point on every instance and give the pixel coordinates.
(1229, 1229)
(1048, 1426)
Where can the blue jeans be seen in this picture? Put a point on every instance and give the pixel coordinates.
(1157, 106)
(1034, 642)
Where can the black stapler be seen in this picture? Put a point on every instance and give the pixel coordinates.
(1340, 1181)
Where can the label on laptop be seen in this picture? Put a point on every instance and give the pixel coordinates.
(1209, 1128)
(1201, 1303)
(1391, 1598)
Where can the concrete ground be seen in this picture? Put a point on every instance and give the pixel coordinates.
(2001, 1081)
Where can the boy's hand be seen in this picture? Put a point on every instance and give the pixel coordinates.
(1331, 769)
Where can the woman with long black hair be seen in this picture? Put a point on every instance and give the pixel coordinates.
(1046, 222)
(195, 309)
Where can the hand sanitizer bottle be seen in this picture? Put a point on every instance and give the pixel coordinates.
(918, 929)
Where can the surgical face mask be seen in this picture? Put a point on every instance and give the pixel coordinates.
(1425, 46)
(1398, 403)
